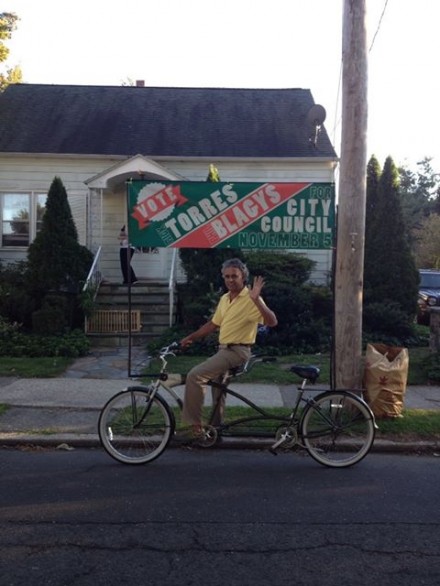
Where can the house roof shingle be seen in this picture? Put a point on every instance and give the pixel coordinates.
(159, 121)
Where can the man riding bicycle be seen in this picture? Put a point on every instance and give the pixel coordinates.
(236, 317)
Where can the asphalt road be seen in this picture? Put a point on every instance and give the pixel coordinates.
(198, 517)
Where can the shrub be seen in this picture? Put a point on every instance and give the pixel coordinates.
(432, 366)
(16, 304)
(57, 263)
(304, 311)
(194, 310)
(202, 266)
(51, 318)
(15, 343)
(387, 319)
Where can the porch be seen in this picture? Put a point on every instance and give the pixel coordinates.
(149, 309)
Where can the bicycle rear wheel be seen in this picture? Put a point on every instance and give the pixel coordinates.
(133, 428)
(337, 429)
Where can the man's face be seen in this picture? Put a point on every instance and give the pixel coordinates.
(233, 279)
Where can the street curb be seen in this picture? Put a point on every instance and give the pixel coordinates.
(67, 441)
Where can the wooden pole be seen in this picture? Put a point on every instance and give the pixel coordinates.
(352, 197)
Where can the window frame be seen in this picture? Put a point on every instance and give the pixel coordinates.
(33, 200)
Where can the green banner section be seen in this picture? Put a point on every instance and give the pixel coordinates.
(191, 214)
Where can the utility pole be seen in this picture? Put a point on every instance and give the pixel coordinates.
(352, 199)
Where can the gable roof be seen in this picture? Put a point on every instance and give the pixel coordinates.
(159, 121)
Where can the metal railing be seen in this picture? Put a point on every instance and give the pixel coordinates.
(172, 285)
(92, 283)
(94, 277)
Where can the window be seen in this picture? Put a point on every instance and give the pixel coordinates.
(22, 215)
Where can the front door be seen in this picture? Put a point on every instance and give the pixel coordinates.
(150, 263)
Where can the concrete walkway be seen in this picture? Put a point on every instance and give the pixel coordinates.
(65, 410)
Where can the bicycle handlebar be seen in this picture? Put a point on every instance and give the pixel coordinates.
(167, 350)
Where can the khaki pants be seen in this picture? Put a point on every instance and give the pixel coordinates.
(212, 369)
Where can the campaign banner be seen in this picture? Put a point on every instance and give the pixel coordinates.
(191, 214)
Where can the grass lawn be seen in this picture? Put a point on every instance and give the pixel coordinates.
(278, 372)
(272, 372)
(418, 424)
(415, 423)
(34, 367)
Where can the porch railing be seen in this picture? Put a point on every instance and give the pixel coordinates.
(91, 285)
(94, 277)
(172, 285)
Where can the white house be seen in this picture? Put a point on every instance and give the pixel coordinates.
(96, 137)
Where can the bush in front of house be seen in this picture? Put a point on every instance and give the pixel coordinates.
(16, 302)
(57, 263)
(304, 311)
(432, 367)
(388, 323)
(43, 294)
(15, 343)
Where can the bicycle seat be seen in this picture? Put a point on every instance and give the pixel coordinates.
(311, 373)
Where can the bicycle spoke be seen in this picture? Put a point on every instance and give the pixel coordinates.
(135, 429)
(337, 429)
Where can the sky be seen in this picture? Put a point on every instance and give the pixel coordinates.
(247, 43)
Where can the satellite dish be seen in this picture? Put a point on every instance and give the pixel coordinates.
(316, 115)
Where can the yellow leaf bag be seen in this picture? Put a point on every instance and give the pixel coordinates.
(385, 378)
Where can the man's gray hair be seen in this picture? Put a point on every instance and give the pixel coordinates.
(236, 263)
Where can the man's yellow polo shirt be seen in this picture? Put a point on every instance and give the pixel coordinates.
(238, 320)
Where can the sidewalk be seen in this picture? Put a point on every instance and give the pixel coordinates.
(65, 410)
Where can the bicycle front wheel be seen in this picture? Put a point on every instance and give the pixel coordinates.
(337, 429)
(135, 428)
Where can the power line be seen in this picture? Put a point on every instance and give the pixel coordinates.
(338, 118)
(378, 25)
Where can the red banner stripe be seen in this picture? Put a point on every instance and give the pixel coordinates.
(255, 205)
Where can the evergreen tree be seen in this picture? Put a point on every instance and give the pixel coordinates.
(56, 261)
(390, 274)
(372, 227)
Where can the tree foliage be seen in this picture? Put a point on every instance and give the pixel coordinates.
(43, 293)
(427, 243)
(419, 193)
(390, 275)
(304, 311)
(8, 23)
(56, 261)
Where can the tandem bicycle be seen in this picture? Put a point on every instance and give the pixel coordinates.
(335, 427)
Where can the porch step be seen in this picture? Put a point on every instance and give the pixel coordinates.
(150, 307)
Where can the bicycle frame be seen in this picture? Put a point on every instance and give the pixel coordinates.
(261, 414)
(336, 427)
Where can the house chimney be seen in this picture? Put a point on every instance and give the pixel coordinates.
(140, 83)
